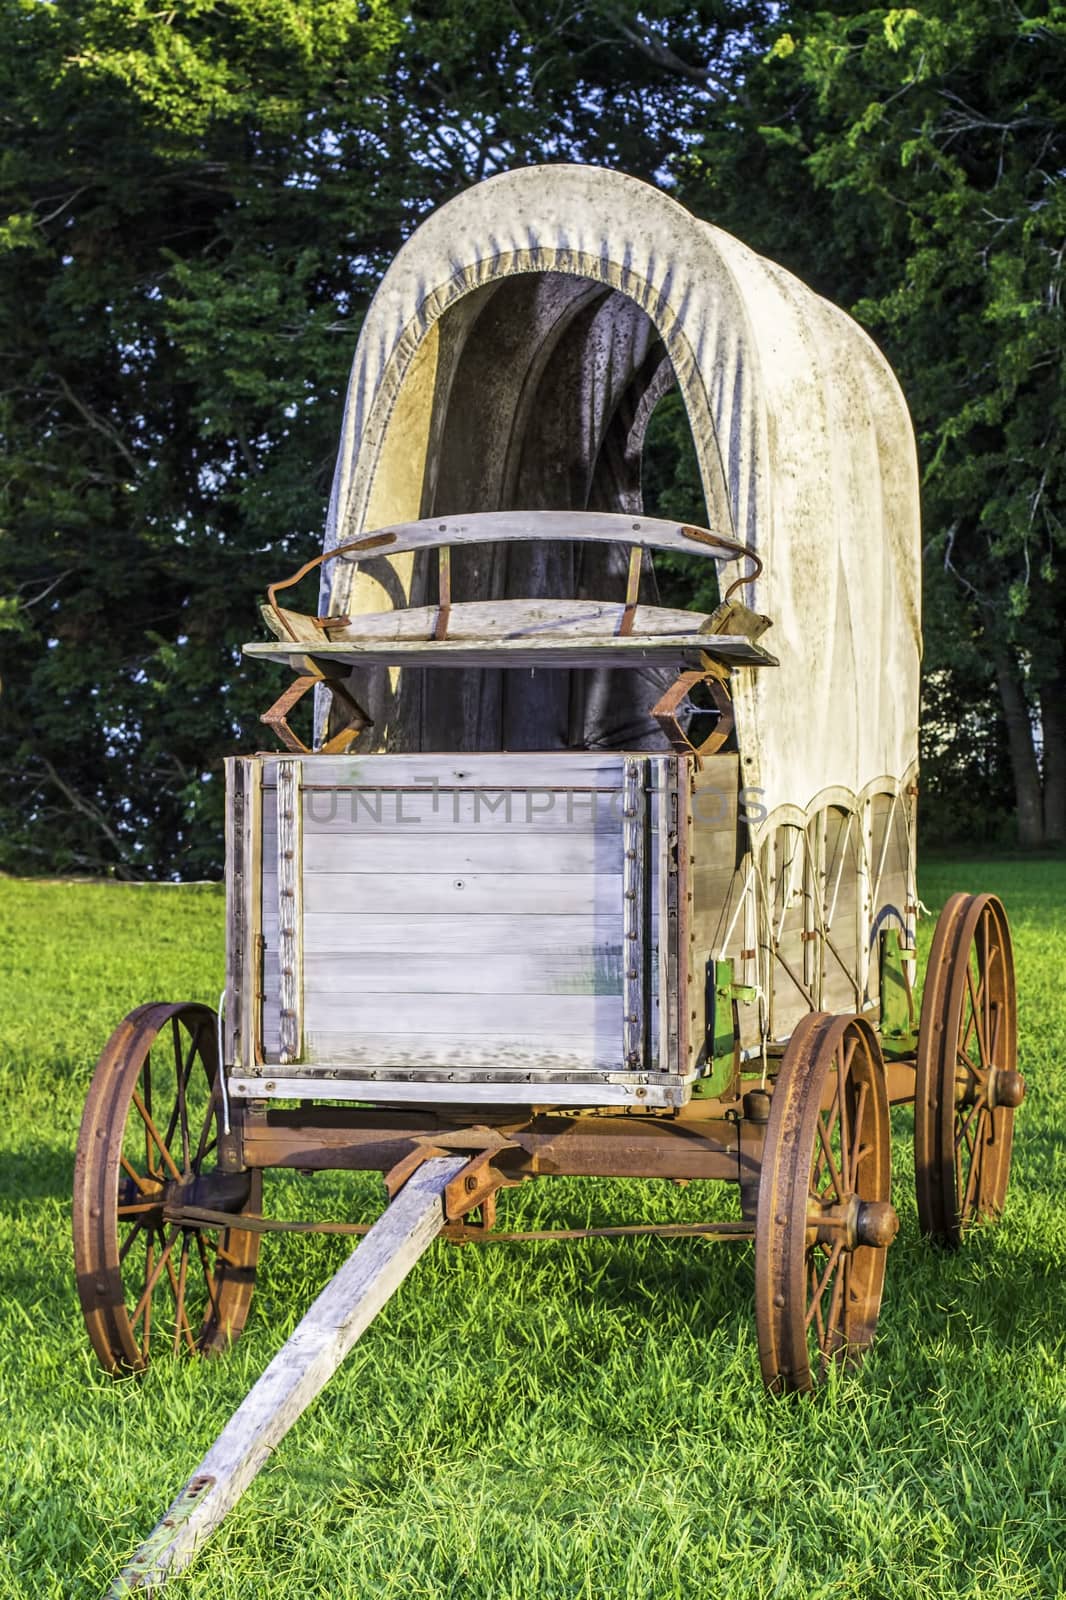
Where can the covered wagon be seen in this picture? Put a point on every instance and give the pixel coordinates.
(558, 879)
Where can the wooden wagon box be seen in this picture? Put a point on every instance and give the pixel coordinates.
(475, 928)
(520, 928)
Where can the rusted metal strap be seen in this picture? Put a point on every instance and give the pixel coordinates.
(636, 562)
(408, 1165)
(701, 536)
(373, 541)
(474, 1185)
(665, 712)
(277, 718)
(659, 1230)
(203, 1217)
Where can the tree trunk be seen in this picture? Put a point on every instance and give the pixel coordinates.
(1053, 725)
(1024, 768)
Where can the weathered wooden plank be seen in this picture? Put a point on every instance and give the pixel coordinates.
(711, 807)
(351, 934)
(518, 769)
(672, 772)
(548, 650)
(634, 921)
(467, 892)
(289, 880)
(412, 811)
(299, 1371)
(491, 527)
(457, 852)
(236, 887)
(480, 1052)
(586, 1089)
(501, 619)
(249, 1021)
(566, 969)
(585, 1018)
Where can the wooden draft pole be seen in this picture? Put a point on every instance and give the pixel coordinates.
(302, 1367)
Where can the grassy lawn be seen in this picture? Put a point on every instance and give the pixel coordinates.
(569, 1420)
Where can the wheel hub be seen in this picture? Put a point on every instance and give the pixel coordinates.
(1005, 1088)
(852, 1222)
(208, 1191)
(995, 1086)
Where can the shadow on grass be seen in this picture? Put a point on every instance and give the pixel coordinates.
(36, 1171)
(973, 1306)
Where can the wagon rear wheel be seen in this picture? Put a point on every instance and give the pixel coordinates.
(824, 1216)
(967, 1083)
(148, 1144)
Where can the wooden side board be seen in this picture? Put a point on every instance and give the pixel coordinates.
(540, 990)
(244, 904)
(710, 842)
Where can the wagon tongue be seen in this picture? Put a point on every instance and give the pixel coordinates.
(301, 1368)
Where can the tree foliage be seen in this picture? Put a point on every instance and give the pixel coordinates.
(910, 163)
(196, 206)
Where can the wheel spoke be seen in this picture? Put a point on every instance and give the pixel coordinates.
(972, 1019)
(149, 1257)
(822, 1283)
(970, 1197)
(182, 1069)
(844, 1060)
(142, 1182)
(155, 1272)
(212, 1287)
(815, 1315)
(130, 1239)
(856, 1143)
(962, 1135)
(202, 1145)
(177, 1284)
(152, 1133)
(830, 1161)
(150, 1156)
(836, 1300)
(986, 984)
(997, 1021)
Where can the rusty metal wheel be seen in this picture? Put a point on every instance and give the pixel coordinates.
(148, 1145)
(824, 1217)
(968, 1085)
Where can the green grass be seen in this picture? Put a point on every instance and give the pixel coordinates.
(577, 1420)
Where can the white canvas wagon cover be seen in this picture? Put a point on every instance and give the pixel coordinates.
(512, 358)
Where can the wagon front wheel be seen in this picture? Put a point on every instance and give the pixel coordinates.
(824, 1216)
(148, 1148)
